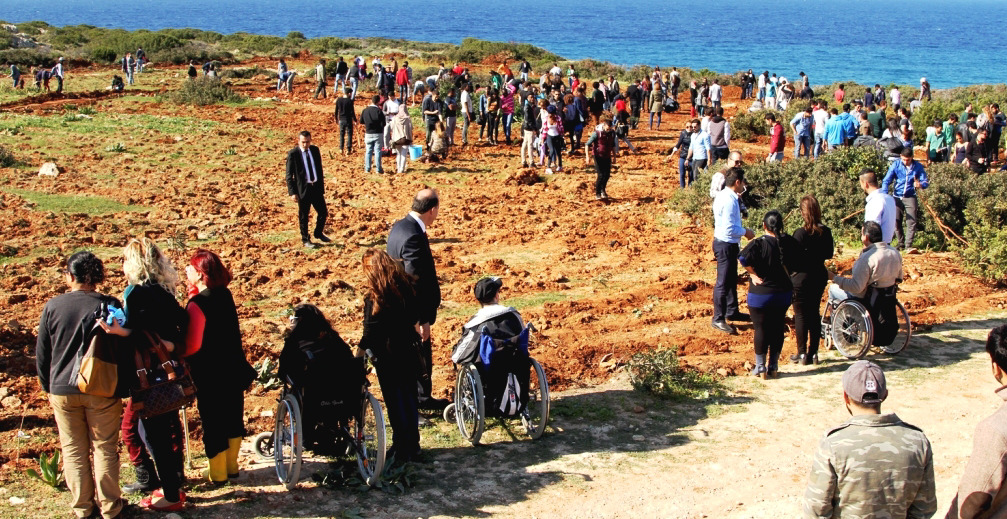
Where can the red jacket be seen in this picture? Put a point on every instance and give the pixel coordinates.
(776, 138)
(402, 77)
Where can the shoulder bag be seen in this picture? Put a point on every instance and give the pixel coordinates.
(164, 384)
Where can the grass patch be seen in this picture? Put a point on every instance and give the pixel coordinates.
(92, 205)
(567, 408)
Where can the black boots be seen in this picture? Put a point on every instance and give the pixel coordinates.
(146, 479)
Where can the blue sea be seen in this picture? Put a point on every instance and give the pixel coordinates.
(951, 42)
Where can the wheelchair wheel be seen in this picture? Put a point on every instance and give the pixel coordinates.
(263, 445)
(535, 416)
(905, 331)
(852, 331)
(369, 436)
(288, 441)
(470, 413)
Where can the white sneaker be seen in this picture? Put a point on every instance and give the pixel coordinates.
(548, 171)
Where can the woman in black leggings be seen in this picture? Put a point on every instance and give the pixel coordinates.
(814, 246)
(767, 260)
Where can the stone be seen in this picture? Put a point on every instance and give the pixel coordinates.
(49, 169)
(173, 516)
(723, 372)
(638, 409)
(4, 392)
(10, 402)
(639, 438)
(16, 501)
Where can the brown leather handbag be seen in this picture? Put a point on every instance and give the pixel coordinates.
(163, 382)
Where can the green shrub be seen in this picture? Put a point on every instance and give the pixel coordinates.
(249, 72)
(747, 125)
(659, 373)
(103, 55)
(206, 91)
(694, 201)
(49, 471)
(7, 158)
(190, 52)
(474, 50)
(27, 58)
(295, 35)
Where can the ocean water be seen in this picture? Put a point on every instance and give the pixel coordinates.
(950, 42)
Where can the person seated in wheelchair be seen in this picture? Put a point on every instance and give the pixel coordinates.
(875, 277)
(496, 340)
(319, 367)
(500, 322)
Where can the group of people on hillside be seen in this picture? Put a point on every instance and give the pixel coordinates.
(41, 75)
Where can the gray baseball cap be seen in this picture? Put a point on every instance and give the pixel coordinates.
(864, 383)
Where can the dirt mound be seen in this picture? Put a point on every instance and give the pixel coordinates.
(494, 60)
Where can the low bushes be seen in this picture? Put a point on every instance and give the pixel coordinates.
(206, 91)
(659, 373)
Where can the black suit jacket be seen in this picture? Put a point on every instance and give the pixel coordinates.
(408, 242)
(297, 180)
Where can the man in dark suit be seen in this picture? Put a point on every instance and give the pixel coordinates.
(408, 242)
(306, 186)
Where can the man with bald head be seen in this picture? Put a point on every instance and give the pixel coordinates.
(407, 241)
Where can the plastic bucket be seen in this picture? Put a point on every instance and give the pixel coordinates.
(415, 151)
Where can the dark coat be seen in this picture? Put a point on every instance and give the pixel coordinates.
(297, 180)
(409, 243)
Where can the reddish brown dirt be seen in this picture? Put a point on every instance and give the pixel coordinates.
(616, 278)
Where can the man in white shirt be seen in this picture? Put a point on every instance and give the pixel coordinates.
(699, 152)
(762, 85)
(467, 112)
(821, 116)
(895, 96)
(390, 109)
(556, 70)
(880, 206)
(716, 93)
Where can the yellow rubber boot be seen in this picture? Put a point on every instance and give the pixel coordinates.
(233, 446)
(217, 472)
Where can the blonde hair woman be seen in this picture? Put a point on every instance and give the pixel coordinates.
(150, 306)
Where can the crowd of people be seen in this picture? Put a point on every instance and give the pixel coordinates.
(402, 293)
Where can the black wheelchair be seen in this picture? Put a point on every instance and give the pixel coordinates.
(350, 424)
(853, 325)
(500, 380)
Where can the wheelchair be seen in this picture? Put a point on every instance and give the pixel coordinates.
(849, 327)
(472, 405)
(354, 427)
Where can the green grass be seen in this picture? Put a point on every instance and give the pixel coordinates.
(92, 205)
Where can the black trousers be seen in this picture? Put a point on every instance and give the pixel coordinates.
(424, 379)
(725, 292)
(222, 413)
(768, 322)
(314, 198)
(157, 433)
(346, 135)
(398, 388)
(807, 315)
(320, 89)
(603, 165)
(431, 126)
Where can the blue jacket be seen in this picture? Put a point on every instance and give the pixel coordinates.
(904, 178)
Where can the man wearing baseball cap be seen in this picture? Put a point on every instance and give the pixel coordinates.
(874, 465)
(502, 322)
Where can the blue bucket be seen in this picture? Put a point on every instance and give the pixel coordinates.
(415, 151)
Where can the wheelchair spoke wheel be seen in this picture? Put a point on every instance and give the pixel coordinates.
(369, 438)
(288, 441)
(852, 330)
(535, 415)
(469, 411)
(263, 445)
(905, 331)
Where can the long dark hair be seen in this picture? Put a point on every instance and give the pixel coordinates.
(774, 223)
(387, 280)
(309, 323)
(812, 214)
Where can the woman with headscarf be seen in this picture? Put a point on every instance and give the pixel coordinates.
(217, 363)
(402, 138)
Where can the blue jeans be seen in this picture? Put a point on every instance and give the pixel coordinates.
(762, 93)
(682, 171)
(372, 148)
(837, 294)
(802, 141)
(340, 78)
(353, 84)
(129, 76)
(508, 119)
(819, 139)
(652, 120)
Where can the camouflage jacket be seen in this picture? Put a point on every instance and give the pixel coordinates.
(872, 466)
